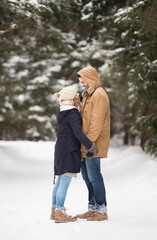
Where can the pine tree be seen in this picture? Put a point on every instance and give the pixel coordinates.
(139, 42)
(44, 45)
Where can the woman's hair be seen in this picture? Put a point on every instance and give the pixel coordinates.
(78, 76)
(77, 103)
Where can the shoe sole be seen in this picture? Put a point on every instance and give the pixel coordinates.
(57, 221)
(97, 219)
(83, 217)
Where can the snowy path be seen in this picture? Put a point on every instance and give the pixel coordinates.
(25, 182)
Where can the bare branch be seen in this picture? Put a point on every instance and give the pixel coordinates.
(12, 26)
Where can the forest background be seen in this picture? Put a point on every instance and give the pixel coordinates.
(44, 43)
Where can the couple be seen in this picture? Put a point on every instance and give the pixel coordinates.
(87, 136)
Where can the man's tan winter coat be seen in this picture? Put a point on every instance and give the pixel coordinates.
(95, 112)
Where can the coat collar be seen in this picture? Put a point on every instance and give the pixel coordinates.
(66, 107)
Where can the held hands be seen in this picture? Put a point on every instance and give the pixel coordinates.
(91, 152)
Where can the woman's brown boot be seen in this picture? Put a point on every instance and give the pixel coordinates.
(62, 217)
(53, 210)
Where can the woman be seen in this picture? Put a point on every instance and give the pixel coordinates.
(67, 157)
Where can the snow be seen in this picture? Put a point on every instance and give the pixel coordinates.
(16, 59)
(96, 55)
(38, 118)
(33, 132)
(1, 118)
(82, 43)
(39, 79)
(88, 7)
(122, 13)
(105, 66)
(30, 1)
(8, 105)
(75, 64)
(86, 17)
(36, 108)
(26, 172)
(124, 34)
(55, 68)
(154, 62)
(109, 42)
(22, 97)
(22, 74)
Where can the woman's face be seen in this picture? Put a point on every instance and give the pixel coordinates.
(77, 96)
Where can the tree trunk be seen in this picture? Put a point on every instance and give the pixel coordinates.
(144, 138)
(126, 135)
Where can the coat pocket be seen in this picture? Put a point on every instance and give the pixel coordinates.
(73, 146)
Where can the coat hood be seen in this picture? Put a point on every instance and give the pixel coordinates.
(90, 75)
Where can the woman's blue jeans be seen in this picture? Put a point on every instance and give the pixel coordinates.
(90, 169)
(60, 191)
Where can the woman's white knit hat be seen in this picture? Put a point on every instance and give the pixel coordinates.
(67, 93)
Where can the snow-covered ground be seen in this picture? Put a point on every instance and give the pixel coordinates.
(26, 172)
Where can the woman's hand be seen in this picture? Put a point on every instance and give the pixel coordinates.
(91, 152)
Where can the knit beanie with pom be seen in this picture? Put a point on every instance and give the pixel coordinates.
(67, 93)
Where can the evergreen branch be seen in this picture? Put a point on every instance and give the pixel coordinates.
(13, 3)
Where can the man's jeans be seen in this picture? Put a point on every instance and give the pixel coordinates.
(90, 169)
(60, 191)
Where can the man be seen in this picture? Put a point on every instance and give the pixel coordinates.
(96, 125)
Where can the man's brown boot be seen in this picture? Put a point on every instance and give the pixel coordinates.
(85, 215)
(52, 216)
(98, 217)
(62, 217)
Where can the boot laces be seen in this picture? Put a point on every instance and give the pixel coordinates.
(64, 211)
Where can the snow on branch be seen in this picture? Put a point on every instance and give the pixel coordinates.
(123, 13)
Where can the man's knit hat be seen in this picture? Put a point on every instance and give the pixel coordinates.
(67, 93)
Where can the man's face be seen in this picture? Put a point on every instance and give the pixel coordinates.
(83, 82)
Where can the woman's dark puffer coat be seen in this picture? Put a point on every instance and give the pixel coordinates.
(67, 148)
